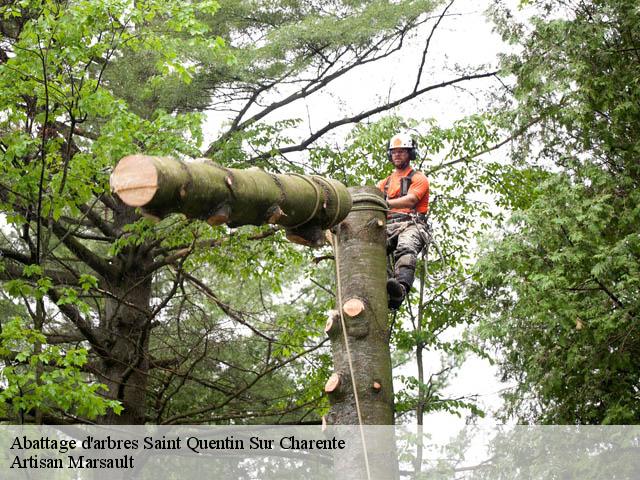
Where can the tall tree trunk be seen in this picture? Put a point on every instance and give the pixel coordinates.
(126, 327)
(417, 464)
(362, 357)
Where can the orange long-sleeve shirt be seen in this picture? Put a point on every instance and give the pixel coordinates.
(419, 187)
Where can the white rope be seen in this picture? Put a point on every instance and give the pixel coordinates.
(346, 343)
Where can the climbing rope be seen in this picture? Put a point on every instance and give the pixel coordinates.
(317, 206)
(335, 194)
(380, 204)
(346, 343)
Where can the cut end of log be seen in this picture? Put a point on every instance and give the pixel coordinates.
(333, 383)
(332, 321)
(353, 307)
(135, 180)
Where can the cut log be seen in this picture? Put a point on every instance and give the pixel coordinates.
(304, 205)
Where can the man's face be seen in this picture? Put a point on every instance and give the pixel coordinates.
(400, 157)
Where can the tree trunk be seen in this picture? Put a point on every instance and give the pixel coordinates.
(126, 326)
(125, 371)
(305, 205)
(417, 464)
(360, 247)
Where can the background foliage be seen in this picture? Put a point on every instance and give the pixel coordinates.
(559, 282)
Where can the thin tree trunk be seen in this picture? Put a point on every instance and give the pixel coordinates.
(420, 361)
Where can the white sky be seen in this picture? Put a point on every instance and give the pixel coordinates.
(463, 38)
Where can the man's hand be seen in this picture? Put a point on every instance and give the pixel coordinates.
(407, 201)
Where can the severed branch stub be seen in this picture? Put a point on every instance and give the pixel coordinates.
(353, 307)
(333, 383)
(333, 322)
(220, 216)
(306, 205)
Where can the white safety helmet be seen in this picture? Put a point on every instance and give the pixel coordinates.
(402, 140)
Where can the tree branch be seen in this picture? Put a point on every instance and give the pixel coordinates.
(173, 420)
(224, 307)
(428, 43)
(357, 118)
(84, 326)
(97, 263)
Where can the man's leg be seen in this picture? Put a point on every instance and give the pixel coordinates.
(410, 243)
(395, 291)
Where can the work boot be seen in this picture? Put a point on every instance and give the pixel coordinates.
(396, 293)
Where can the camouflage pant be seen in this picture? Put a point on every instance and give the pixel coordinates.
(405, 240)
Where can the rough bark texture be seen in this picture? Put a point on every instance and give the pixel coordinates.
(125, 329)
(360, 245)
(305, 205)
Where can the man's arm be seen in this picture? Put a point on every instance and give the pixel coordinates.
(409, 200)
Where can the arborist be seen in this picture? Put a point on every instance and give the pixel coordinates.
(407, 193)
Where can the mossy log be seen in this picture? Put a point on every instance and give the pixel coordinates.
(305, 205)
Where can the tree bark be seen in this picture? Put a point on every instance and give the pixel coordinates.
(305, 205)
(125, 327)
(360, 252)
